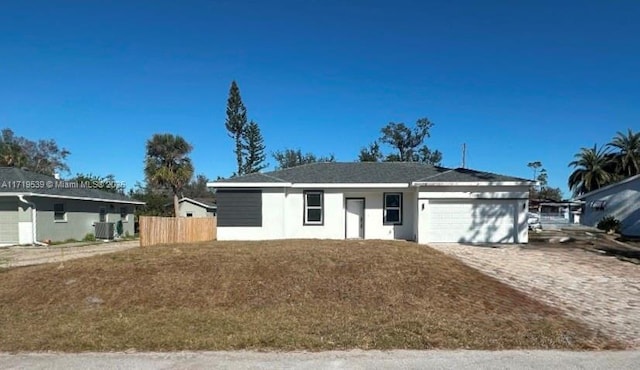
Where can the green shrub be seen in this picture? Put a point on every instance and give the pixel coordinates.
(609, 223)
(89, 238)
(70, 240)
(119, 228)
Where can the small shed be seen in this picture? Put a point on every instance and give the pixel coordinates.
(197, 207)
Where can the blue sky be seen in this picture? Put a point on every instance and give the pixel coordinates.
(517, 81)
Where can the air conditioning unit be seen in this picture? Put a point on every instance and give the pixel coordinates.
(104, 230)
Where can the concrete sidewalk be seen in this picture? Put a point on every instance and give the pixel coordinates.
(356, 359)
(27, 256)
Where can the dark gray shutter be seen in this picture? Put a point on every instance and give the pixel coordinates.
(241, 207)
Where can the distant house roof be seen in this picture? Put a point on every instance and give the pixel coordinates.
(203, 202)
(17, 181)
(595, 192)
(368, 173)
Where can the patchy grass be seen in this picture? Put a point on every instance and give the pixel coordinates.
(5, 263)
(284, 295)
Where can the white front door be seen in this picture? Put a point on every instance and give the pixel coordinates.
(355, 219)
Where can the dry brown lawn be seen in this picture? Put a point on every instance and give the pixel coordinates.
(277, 295)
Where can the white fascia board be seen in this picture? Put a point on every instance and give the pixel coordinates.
(185, 199)
(594, 192)
(475, 195)
(477, 183)
(248, 184)
(71, 197)
(306, 185)
(351, 185)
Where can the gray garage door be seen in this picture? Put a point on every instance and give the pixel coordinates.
(8, 222)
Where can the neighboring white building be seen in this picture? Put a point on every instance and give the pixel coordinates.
(199, 207)
(371, 200)
(620, 200)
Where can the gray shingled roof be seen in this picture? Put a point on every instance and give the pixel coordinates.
(16, 180)
(370, 172)
(467, 175)
(255, 177)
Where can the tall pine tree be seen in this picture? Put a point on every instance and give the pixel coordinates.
(236, 122)
(253, 145)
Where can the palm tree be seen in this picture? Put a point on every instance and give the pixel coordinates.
(167, 164)
(593, 170)
(628, 153)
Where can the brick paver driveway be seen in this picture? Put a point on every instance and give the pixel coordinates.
(604, 292)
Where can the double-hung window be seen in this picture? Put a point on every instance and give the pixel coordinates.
(313, 207)
(59, 213)
(392, 208)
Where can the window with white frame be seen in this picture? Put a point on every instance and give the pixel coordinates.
(59, 214)
(392, 208)
(313, 207)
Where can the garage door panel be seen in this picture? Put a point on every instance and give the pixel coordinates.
(8, 223)
(471, 221)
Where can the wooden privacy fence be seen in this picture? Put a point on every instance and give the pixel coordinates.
(172, 230)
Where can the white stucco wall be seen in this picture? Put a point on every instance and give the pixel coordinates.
(273, 221)
(283, 215)
(334, 215)
(196, 211)
(374, 215)
(622, 202)
(333, 225)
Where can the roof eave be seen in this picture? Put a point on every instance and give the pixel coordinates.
(351, 185)
(592, 193)
(472, 183)
(193, 201)
(72, 197)
(365, 185)
(300, 185)
(248, 185)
